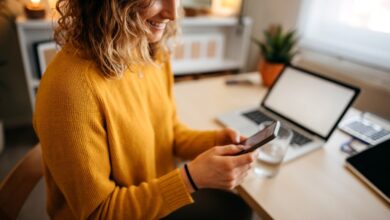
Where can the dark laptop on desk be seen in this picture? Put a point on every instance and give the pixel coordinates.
(310, 104)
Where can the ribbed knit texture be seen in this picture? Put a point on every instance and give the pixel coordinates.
(108, 145)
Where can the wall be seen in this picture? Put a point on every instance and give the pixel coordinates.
(266, 12)
(374, 83)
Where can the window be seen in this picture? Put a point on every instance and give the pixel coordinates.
(357, 30)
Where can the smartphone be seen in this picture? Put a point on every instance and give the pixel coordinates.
(260, 138)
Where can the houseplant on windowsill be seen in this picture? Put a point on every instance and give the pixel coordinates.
(277, 50)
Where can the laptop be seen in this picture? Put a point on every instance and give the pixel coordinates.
(310, 104)
(372, 166)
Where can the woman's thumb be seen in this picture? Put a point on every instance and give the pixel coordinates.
(230, 149)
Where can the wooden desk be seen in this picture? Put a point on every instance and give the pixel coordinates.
(316, 186)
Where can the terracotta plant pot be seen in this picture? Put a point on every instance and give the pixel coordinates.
(269, 71)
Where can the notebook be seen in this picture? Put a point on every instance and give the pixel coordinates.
(372, 166)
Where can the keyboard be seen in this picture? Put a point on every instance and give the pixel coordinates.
(366, 131)
(299, 139)
(259, 117)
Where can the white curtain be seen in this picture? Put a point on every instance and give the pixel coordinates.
(358, 30)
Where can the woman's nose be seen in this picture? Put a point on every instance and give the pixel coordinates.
(170, 9)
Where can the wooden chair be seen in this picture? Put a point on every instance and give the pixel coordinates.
(19, 183)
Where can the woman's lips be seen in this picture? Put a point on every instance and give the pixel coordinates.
(157, 25)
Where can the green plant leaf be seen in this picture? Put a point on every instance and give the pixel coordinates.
(290, 35)
(278, 39)
(264, 50)
(278, 46)
(268, 38)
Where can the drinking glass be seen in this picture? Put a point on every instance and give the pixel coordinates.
(271, 155)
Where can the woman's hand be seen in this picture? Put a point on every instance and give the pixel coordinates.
(219, 168)
(229, 136)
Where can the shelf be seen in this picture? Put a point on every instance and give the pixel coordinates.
(204, 66)
(45, 23)
(212, 21)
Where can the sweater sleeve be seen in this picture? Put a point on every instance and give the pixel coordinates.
(188, 142)
(71, 129)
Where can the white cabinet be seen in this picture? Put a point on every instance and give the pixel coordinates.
(207, 44)
(211, 44)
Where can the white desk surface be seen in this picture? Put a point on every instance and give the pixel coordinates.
(315, 186)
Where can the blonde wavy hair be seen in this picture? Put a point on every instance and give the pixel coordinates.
(110, 32)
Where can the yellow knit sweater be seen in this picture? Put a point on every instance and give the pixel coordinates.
(108, 144)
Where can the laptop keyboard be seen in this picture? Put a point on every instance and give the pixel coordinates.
(258, 117)
(299, 139)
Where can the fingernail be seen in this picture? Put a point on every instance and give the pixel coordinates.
(238, 139)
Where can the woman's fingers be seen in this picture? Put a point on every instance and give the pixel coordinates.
(241, 179)
(238, 177)
(229, 136)
(220, 168)
(242, 170)
(242, 138)
(233, 135)
(244, 159)
(228, 149)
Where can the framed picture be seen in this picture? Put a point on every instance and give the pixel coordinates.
(45, 52)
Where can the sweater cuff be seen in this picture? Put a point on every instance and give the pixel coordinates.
(174, 191)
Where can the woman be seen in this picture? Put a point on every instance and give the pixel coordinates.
(107, 123)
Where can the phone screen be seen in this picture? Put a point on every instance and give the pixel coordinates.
(260, 138)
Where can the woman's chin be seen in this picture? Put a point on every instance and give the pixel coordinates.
(154, 38)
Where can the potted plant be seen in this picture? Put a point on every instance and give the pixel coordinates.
(277, 50)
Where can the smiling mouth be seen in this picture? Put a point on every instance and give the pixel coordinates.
(157, 25)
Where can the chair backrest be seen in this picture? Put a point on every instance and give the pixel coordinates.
(19, 183)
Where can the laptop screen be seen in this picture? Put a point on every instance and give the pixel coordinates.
(310, 101)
